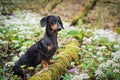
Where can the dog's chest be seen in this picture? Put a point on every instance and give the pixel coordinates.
(52, 45)
(49, 43)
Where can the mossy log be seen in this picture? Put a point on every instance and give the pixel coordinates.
(61, 63)
(87, 7)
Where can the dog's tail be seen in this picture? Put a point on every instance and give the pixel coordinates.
(18, 71)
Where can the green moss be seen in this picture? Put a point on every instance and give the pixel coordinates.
(72, 50)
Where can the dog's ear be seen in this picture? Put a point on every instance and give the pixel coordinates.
(60, 22)
(43, 21)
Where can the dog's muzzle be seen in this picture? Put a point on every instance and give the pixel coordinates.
(59, 28)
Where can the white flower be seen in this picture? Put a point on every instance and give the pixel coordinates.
(15, 41)
(87, 40)
(109, 63)
(96, 37)
(102, 65)
(98, 72)
(21, 36)
(105, 33)
(81, 76)
(101, 48)
(21, 53)
(116, 65)
(116, 56)
(15, 58)
(94, 56)
(99, 53)
(116, 71)
(8, 64)
(4, 42)
(30, 32)
(118, 39)
(90, 49)
(23, 48)
(100, 58)
(13, 29)
(83, 46)
(116, 46)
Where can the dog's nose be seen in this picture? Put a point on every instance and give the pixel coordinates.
(59, 28)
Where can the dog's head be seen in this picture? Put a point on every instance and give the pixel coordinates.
(52, 22)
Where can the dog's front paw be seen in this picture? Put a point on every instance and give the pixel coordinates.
(44, 64)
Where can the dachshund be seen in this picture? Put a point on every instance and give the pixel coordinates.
(43, 50)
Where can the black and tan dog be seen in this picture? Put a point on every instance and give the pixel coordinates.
(43, 50)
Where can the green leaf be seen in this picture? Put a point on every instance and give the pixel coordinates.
(30, 68)
(22, 66)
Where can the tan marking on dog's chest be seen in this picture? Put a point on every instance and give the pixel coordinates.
(49, 48)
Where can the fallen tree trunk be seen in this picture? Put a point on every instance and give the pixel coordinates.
(87, 7)
(61, 63)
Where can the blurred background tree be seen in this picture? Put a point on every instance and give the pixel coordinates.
(91, 11)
